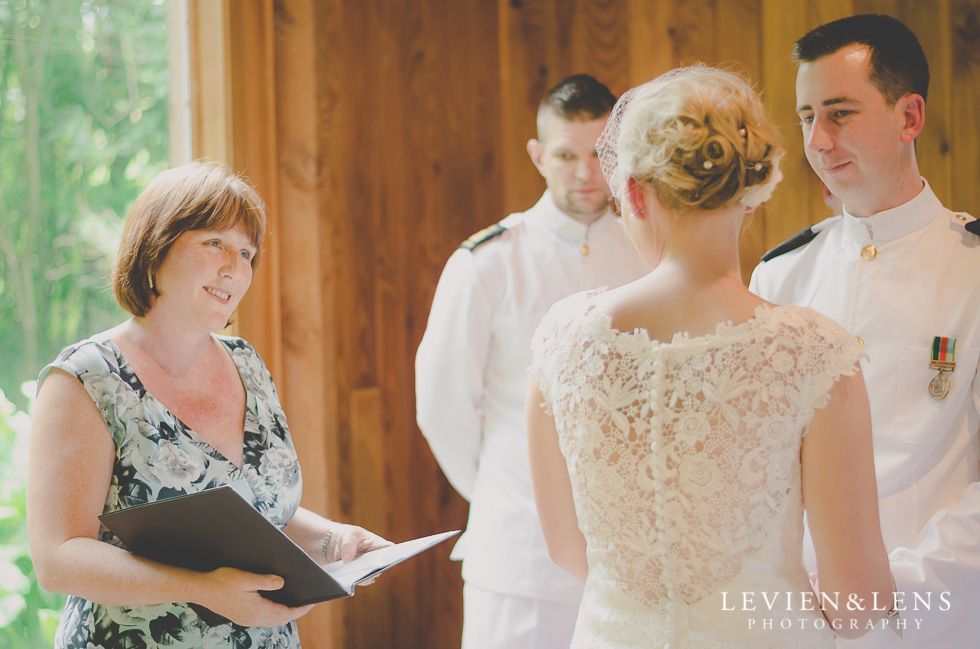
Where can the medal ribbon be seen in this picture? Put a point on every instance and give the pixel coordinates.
(943, 353)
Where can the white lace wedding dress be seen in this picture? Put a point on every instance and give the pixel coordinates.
(684, 460)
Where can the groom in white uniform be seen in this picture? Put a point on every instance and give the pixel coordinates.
(901, 272)
(471, 370)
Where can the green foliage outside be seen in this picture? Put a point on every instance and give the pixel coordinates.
(83, 129)
(28, 615)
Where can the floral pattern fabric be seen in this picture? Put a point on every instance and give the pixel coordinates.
(158, 457)
(684, 460)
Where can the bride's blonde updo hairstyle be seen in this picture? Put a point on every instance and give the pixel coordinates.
(699, 136)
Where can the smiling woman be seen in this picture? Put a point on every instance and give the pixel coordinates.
(211, 268)
(160, 406)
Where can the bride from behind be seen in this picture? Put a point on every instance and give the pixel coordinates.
(678, 425)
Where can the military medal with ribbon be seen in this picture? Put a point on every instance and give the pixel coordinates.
(943, 359)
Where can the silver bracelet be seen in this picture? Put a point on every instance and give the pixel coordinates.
(326, 542)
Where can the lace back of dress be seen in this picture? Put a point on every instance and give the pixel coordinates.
(682, 455)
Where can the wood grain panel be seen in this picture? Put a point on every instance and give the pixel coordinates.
(211, 81)
(304, 339)
(930, 22)
(349, 127)
(932, 25)
(795, 202)
(964, 95)
(603, 52)
(650, 34)
(527, 66)
(738, 46)
(415, 141)
(695, 32)
(255, 148)
(383, 133)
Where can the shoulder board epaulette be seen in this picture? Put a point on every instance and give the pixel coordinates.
(971, 224)
(483, 236)
(798, 240)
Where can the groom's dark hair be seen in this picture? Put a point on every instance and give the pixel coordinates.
(898, 64)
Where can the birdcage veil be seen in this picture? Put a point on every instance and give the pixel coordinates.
(607, 146)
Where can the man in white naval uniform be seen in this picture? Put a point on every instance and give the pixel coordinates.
(898, 270)
(471, 370)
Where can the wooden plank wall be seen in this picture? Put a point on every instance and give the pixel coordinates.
(382, 133)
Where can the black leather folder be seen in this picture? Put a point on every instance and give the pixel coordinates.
(217, 528)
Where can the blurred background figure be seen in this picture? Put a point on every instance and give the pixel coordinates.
(471, 369)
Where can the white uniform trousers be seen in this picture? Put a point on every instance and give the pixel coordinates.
(500, 621)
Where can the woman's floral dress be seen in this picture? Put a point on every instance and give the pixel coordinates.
(158, 457)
